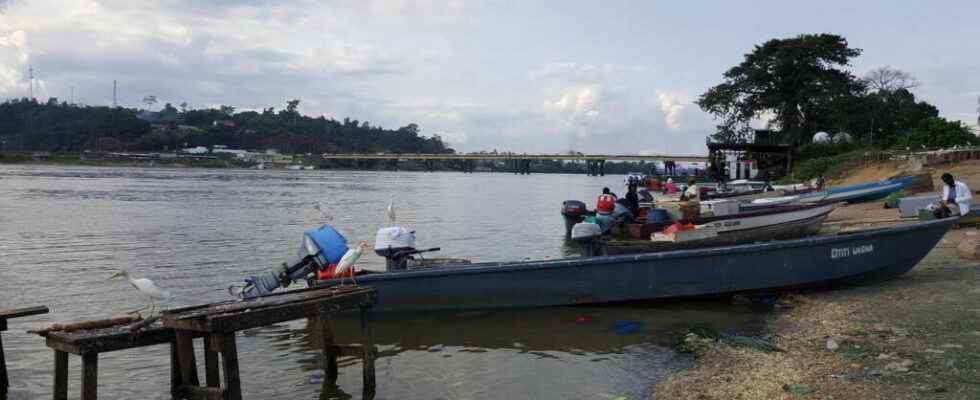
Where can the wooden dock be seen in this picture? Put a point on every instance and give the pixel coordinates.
(4, 316)
(219, 322)
(216, 324)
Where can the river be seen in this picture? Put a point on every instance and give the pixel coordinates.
(65, 229)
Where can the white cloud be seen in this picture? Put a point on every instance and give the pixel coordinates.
(672, 105)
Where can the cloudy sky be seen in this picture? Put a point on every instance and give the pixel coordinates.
(534, 76)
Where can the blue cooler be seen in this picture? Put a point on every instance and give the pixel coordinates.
(657, 215)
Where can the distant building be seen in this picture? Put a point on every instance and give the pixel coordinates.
(234, 152)
(196, 150)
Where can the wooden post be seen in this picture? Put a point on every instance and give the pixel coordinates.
(90, 376)
(211, 376)
(185, 358)
(229, 360)
(4, 381)
(329, 348)
(174, 372)
(367, 336)
(60, 375)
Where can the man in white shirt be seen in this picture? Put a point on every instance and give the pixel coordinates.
(956, 195)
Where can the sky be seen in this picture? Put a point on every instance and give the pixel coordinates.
(525, 76)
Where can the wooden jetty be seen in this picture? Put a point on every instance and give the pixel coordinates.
(217, 324)
(4, 316)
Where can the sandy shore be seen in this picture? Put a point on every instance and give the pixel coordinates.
(914, 337)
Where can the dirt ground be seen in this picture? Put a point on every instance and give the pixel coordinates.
(910, 338)
(915, 337)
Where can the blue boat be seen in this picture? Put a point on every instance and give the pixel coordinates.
(858, 193)
(814, 261)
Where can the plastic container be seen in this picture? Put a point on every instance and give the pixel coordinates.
(657, 215)
(331, 242)
(606, 203)
(328, 273)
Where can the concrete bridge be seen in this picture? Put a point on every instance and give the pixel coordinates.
(521, 163)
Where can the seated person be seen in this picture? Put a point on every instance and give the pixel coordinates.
(956, 196)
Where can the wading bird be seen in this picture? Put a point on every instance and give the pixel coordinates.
(391, 211)
(319, 207)
(145, 286)
(348, 260)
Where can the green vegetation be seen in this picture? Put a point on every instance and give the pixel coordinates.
(27, 125)
(802, 85)
(830, 167)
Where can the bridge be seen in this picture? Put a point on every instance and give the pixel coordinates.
(521, 163)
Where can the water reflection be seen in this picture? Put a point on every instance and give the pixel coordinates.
(66, 229)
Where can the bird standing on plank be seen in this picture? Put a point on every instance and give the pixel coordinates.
(347, 261)
(145, 286)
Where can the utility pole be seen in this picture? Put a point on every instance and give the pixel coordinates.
(30, 80)
(114, 104)
(71, 100)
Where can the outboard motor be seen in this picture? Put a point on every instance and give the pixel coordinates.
(397, 246)
(321, 247)
(573, 212)
(587, 235)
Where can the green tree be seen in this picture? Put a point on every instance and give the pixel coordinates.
(796, 80)
(936, 132)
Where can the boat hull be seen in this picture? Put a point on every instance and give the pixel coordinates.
(780, 231)
(813, 261)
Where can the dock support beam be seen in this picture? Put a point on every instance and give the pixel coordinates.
(4, 380)
(60, 375)
(367, 335)
(90, 376)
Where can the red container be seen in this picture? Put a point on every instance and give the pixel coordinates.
(606, 203)
(328, 273)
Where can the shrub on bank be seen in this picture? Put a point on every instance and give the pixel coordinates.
(828, 167)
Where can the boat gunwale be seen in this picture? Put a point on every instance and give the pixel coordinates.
(572, 262)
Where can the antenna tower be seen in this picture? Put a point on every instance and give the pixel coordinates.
(30, 80)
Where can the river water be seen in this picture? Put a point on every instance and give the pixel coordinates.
(65, 229)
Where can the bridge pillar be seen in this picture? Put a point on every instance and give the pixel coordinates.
(602, 167)
(527, 167)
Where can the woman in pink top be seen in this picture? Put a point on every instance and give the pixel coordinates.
(669, 187)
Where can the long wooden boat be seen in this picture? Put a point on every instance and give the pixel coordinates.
(852, 193)
(746, 228)
(814, 261)
(747, 220)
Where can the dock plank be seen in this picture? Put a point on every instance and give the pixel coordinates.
(22, 312)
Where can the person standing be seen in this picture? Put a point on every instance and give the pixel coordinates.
(956, 195)
(633, 200)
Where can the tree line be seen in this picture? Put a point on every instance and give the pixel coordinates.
(802, 86)
(53, 126)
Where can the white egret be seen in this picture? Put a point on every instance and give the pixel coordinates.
(145, 286)
(391, 211)
(319, 207)
(348, 260)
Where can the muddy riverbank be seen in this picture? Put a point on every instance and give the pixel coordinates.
(914, 337)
